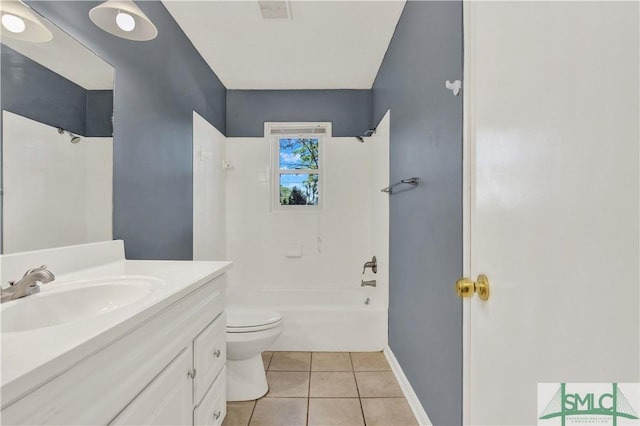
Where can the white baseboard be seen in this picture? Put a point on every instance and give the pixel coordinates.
(416, 407)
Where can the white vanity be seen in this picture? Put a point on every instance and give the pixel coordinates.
(114, 341)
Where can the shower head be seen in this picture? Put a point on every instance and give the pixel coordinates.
(368, 133)
(74, 138)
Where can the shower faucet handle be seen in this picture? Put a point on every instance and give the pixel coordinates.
(373, 264)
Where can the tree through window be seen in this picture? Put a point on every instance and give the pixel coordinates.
(299, 168)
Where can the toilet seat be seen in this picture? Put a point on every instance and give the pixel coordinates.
(247, 320)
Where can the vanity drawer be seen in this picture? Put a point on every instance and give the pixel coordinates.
(213, 407)
(209, 355)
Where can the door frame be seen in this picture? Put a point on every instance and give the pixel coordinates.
(468, 155)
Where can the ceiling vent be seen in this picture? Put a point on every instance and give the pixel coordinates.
(275, 9)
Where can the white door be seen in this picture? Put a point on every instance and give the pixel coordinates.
(551, 95)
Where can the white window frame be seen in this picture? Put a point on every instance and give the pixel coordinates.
(273, 140)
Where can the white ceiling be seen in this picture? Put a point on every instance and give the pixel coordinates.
(326, 44)
(66, 57)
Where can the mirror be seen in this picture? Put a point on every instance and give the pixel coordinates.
(57, 143)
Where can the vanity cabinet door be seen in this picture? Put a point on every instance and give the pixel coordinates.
(210, 354)
(213, 407)
(166, 400)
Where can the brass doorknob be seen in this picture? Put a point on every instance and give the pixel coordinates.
(465, 287)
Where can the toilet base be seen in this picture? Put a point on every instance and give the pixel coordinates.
(246, 379)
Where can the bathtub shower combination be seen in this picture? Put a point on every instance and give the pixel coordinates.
(321, 319)
(323, 267)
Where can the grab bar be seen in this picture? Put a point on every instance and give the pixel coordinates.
(414, 181)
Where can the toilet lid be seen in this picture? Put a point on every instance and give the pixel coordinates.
(241, 318)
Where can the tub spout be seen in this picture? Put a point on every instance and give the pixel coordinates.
(371, 283)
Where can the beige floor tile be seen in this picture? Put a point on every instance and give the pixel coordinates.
(378, 384)
(331, 361)
(238, 413)
(333, 385)
(266, 359)
(280, 412)
(335, 412)
(291, 361)
(288, 384)
(387, 411)
(369, 361)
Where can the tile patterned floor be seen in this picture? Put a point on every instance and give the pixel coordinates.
(325, 389)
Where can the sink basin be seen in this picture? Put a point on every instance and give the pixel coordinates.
(74, 301)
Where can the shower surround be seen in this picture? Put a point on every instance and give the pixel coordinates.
(309, 264)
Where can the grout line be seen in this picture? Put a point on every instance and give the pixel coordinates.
(383, 397)
(288, 371)
(353, 370)
(269, 363)
(255, 403)
(309, 389)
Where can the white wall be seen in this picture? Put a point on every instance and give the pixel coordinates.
(336, 240)
(209, 191)
(380, 200)
(55, 193)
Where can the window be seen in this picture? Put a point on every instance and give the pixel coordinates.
(297, 166)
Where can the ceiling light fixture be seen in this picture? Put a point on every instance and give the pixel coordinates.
(123, 18)
(13, 23)
(19, 22)
(125, 21)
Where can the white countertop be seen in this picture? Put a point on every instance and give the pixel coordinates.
(31, 358)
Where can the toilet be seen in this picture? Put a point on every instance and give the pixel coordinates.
(249, 332)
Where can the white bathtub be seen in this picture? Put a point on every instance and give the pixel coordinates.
(322, 319)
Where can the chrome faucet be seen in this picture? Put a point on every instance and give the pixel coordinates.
(373, 264)
(27, 285)
(371, 283)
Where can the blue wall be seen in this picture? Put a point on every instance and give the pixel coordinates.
(34, 91)
(425, 316)
(349, 111)
(99, 113)
(158, 84)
